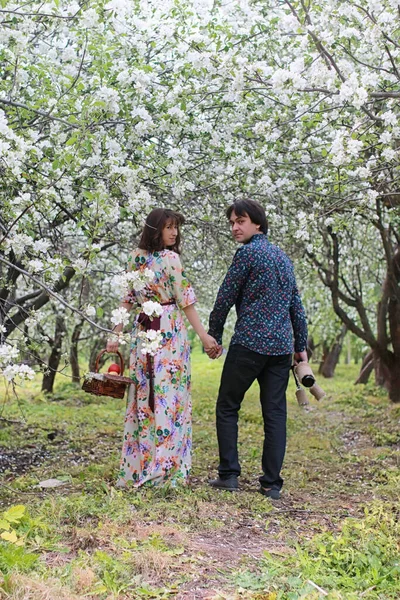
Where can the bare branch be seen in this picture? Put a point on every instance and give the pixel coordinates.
(383, 95)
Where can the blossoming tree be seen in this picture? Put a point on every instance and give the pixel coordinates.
(110, 108)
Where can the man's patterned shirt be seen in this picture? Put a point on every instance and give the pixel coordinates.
(270, 315)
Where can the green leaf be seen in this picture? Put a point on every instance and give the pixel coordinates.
(9, 536)
(99, 312)
(15, 513)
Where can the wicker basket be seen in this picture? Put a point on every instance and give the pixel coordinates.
(105, 384)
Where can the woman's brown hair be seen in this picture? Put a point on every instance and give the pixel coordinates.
(151, 239)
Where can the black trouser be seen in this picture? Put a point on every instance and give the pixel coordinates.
(242, 366)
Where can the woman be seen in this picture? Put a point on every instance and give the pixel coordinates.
(158, 430)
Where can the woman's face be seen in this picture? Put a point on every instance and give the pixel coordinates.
(169, 234)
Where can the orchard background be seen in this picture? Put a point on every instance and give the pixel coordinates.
(109, 109)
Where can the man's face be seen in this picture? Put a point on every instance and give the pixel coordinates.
(242, 227)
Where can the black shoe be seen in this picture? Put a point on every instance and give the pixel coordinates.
(270, 493)
(231, 484)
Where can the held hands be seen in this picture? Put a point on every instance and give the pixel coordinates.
(215, 353)
(211, 347)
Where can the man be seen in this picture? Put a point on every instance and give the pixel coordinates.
(270, 324)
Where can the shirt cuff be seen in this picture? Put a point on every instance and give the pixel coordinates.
(216, 336)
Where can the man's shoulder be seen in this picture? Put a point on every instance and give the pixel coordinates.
(278, 252)
(265, 249)
(280, 258)
(250, 248)
(243, 252)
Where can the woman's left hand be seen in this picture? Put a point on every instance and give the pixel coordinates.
(211, 346)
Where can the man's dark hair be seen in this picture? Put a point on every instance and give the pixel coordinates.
(151, 239)
(252, 209)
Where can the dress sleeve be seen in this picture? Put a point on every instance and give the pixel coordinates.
(182, 291)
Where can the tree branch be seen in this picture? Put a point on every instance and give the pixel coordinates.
(61, 284)
(37, 112)
(20, 14)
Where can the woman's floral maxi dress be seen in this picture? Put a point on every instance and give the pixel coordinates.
(157, 446)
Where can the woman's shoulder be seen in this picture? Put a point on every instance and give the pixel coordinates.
(136, 254)
(171, 255)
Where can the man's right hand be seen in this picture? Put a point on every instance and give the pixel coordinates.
(300, 357)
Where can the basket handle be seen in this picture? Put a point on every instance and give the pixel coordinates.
(100, 354)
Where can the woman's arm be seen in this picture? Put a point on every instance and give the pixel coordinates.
(112, 346)
(208, 341)
(185, 298)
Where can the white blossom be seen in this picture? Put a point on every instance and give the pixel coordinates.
(389, 117)
(132, 280)
(389, 154)
(385, 137)
(120, 316)
(152, 309)
(80, 265)
(90, 310)
(7, 354)
(22, 371)
(41, 245)
(35, 265)
(150, 341)
(19, 242)
(32, 319)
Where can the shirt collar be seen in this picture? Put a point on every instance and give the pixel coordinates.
(257, 237)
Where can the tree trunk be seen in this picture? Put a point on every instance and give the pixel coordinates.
(325, 353)
(40, 299)
(310, 348)
(356, 356)
(386, 361)
(347, 360)
(393, 384)
(55, 356)
(367, 367)
(381, 372)
(327, 368)
(387, 374)
(73, 353)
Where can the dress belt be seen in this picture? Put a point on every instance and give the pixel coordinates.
(155, 324)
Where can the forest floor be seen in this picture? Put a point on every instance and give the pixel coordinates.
(335, 533)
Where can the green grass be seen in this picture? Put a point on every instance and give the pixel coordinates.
(335, 531)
